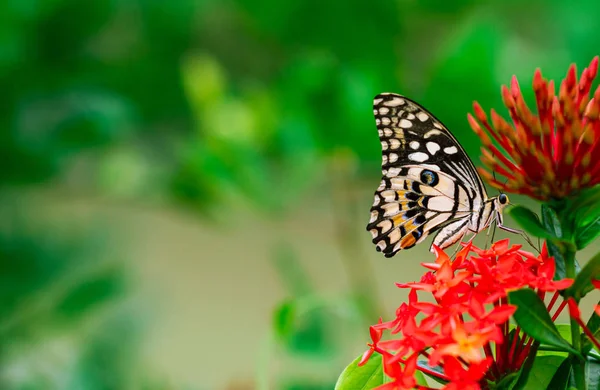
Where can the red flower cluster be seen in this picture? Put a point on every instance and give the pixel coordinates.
(549, 155)
(469, 314)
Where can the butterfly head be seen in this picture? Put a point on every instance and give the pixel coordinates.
(501, 201)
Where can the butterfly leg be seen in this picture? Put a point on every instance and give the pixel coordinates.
(491, 228)
(514, 231)
(461, 240)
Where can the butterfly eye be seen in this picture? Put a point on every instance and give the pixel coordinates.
(503, 199)
(429, 178)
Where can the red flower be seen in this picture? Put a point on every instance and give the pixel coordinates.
(462, 344)
(375, 337)
(465, 378)
(445, 279)
(542, 279)
(403, 378)
(463, 331)
(549, 155)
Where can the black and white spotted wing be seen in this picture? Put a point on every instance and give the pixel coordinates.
(428, 184)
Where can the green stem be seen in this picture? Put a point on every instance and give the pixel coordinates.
(578, 363)
(568, 252)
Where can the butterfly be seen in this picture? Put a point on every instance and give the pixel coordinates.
(429, 184)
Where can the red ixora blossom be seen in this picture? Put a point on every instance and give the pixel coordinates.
(551, 154)
(460, 336)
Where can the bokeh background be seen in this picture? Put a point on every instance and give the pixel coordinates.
(185, 184)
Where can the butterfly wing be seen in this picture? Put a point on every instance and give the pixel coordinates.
(428, 181)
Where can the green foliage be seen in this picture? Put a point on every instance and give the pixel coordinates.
(90, 292)
(585, 215)
(300, 322)
(251, 104)
(510, 381)
(533, 318)
(583, 280)
(558, 230)
(587, 233)
(562, 228)
(565, 332)
(575, 220)
(558, 246)
(552, 222)
(554, 251)
(284, 318)
(561, 376)
(54, 298)
(363, 377)
(593, 373)
(547, 372)
(530, 222)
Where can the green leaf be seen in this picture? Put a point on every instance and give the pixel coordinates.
(593, 354)
(560, 379)
(530, 222)
(551, 222)
(283, 319)
(585, 234)
(555, 250)
(565, 331)
(559, 260)
(421, 380)
(368, 376)
(532, 316)
(508, 382)
(584, 215)
(91, 292)
(309, 335)
(583, 280)
(593, 374)
(543, 372)
(585, 206)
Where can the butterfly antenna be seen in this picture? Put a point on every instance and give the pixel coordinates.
(494, 174)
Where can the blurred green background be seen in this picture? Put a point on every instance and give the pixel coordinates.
(186, 183)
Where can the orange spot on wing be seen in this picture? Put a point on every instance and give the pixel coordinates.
(407, 241)
(398, 219)
(409, 226)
